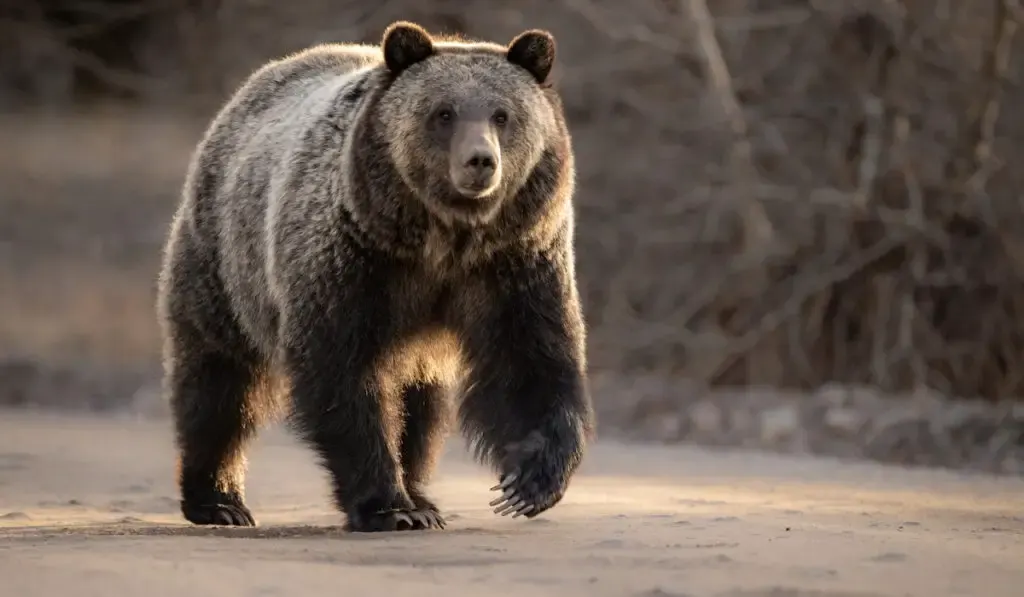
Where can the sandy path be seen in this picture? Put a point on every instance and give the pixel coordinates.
(87, 508)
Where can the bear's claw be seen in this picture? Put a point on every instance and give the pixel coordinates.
(514, 500)
(235, 515)
(397, 520)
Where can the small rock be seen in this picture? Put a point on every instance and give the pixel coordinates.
(743, 422)
(846, 420)
(961, 414)
(779, 423)
(834, 395)
(667, 427)
(1012, 464)
(706, 417)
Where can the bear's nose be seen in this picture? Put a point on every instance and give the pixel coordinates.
(482, 163)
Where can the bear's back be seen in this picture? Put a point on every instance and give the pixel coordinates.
(266, 118)
(282, 83)
(243, 166)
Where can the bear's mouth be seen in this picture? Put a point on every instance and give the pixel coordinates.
(476, 191)
(469, 200)
(467, 204)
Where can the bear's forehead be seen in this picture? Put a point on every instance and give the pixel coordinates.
(465, 68)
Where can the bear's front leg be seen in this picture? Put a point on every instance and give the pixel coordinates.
(331, 354)
(527, 409)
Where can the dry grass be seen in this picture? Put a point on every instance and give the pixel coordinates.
(105, 142)
(82, 311)
(83, 232)
(782, 193)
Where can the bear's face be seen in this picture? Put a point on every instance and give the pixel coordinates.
(466, 122)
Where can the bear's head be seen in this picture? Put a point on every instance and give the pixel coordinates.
(467, 123)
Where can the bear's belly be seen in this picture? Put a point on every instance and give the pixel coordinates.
(431, 355)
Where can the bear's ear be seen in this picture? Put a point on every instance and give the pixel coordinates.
(533, 50)
(404, 45)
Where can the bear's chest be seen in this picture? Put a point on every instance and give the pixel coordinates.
(449, 254)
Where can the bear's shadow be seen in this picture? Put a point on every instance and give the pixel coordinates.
(141, 529)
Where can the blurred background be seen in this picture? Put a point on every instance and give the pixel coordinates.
(800, 221)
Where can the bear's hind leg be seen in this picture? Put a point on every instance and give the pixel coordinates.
(427, 412)
(215, 413)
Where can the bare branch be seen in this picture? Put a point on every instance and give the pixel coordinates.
(758, 229)
(975, 151)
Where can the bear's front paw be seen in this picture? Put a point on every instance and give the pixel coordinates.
(395, 520)
(533, 481)
(225, 514)
(392, 513)
(527, 492)
(425, 504)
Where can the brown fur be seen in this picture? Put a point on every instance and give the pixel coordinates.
(319, 236)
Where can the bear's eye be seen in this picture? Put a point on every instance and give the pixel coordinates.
(445, 115)
(501, 118)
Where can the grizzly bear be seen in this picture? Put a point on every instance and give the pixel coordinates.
(380, 239)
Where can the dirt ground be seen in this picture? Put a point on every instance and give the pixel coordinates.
(88, 507)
